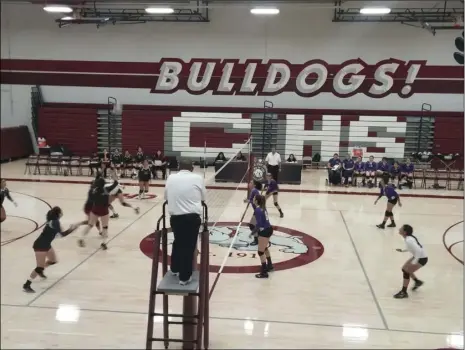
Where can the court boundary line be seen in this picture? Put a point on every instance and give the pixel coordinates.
(370, 286)
(7, 242)
(297, 323)
(449, 249)
(88, 257)
(230, 188)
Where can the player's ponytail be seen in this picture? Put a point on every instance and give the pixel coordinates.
(54, 214)
(258, 185)
(409, 232)
(260, 200)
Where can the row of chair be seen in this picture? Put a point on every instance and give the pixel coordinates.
(440, 178)
(68, 165)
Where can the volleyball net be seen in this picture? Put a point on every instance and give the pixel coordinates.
(227, 186)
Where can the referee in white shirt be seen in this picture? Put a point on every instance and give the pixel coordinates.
(184, 192)
(273, 163)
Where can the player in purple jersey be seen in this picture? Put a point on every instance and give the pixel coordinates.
(392, 197)
(370, 171)
(359, 171)
(407, 173)
(272, 189)
(256, 188)
(394, 171)
(265, 230)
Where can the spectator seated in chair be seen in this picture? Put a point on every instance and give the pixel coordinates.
(334, 170)
(239, 157)
(395, 172)
(105, 160)
(382, 169)
(220, 158)
(407, 173)
(370, 171)
(348, 166)
(291, 159)
(117, 161)
(359, 171)
(127, 163)
(159, 162)
(138, 161)
(94, 163)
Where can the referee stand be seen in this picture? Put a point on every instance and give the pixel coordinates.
(195, 314)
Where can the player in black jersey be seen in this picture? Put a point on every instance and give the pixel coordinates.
(100, 203)
(88, 206)
(117, 161)
(144, 178)
(44, 252)
(127, 163)
(4, 193)
(117, 192)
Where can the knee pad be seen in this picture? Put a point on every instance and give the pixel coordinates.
(387, 213)
(39, 270)
(406, 275)
(390, 214)
(105, 227)
(50, 263)
(251, 227)
(276, 204)
(260, 253)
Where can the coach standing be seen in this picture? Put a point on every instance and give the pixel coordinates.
(273, 163)
(185, 192)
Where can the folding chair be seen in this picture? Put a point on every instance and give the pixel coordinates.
(31, 162)
(84, 163)
(44, 162)
(55, 161)
(65, 167)
(75, 166)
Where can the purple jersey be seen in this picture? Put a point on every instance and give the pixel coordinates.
(272, 186)
(370, 166)
(359, 166)
(408, 168)
(261, 215)
(389, 192)
(383, 166)
(253, 193)
(395, 171)
(348, 164)
(332, 162)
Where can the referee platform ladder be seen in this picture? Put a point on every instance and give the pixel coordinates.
(195, 315)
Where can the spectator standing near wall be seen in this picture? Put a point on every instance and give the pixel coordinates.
(273, 163)
(185, 192)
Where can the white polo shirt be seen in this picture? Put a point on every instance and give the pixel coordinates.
(185, 192)
(273, 159)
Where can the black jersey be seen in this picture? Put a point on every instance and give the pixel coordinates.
(144, 174)
(49, 233)
(100, 197)
(117, 158)
(90, 195)
(5, 193)
(127, 159)
(139, 157)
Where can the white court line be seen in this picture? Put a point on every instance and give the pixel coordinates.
(19, 330)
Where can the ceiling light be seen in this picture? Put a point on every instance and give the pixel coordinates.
(375, 11)
(58, 9)
(67, 18)
(159, 10)
(264, 11)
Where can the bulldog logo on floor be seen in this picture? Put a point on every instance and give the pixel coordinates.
(289, 248)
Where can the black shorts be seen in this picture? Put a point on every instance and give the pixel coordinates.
(393, 201)
(40, 246)
(266, 232)
(422, 261)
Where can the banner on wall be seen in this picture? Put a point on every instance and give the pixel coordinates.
(253, 77)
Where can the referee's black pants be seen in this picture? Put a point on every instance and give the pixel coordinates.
(274, 171)
(186, 230)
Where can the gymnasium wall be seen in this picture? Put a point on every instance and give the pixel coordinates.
(186, 133)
